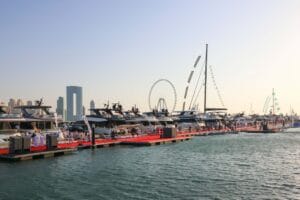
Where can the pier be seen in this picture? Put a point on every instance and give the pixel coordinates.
(37, 152)
(156, 140)
(207, 132)
(37, 155)
(99, 143)
(69, 146)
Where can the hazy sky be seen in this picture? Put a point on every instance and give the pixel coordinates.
(116, 50)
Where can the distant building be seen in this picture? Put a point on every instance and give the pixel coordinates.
(74, 103)
(20, 102)
(29, 103)
(83, 110)
(92, 105)
(65, 115)
(11, 104)
(60, 106)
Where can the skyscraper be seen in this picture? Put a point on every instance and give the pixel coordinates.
(29, 103)
(20, 102)
(92, 105)
(11, 104)
(74, 103)
(60, 106)
(83, 110)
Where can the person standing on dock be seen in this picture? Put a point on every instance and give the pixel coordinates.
(42, 139)
(113, 132)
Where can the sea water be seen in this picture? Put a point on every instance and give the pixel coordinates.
(242, 166)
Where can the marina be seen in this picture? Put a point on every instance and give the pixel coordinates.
(33, 131)
(66, 147)
(149, 100)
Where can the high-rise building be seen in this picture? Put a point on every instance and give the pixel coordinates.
(11, 104)
(65, 115)
(29, 103)
(74, 103)
(20, 102)
(83, 110)
(92, 105)
(60, 106)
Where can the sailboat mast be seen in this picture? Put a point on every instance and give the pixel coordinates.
(205, 81)
(273, 95)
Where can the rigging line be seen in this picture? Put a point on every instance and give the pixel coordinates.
(266, 105)
(189, 80)
(197, 83)
(216, 87)
(196, 98)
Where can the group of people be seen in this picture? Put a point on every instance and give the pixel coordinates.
(38, 138)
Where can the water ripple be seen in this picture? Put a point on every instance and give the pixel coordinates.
(244, 166)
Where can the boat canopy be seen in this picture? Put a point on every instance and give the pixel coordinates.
(96, 119)
(3, 109)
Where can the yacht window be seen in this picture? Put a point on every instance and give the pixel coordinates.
(14, 125)
(26, 125)
(163, 123)
(145, 123)
(41, 125)
(4, 126)
(100, 124)
(48, 125)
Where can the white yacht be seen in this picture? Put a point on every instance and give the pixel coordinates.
(31, 119)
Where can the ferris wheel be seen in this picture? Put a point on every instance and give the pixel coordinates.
(164, 97)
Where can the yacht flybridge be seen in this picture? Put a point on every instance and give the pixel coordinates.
(31, 119)
(108, 119)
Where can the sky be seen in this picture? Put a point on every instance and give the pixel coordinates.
(116, 50)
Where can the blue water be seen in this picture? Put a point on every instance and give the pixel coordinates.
(243, 166)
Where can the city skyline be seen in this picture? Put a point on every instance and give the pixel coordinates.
(50, 47)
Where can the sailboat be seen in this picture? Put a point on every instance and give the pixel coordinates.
(268, 123)
(211, 119)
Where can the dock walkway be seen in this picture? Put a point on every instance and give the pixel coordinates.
(36, 155)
